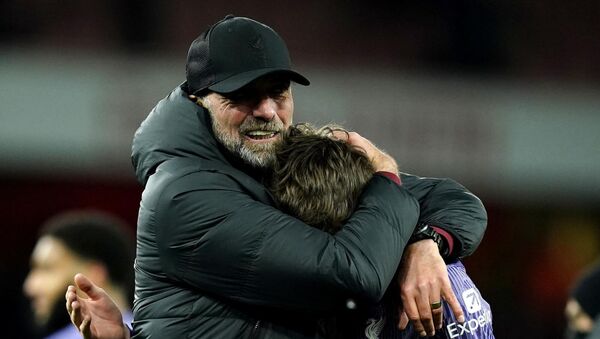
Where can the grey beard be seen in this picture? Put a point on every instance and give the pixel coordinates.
(264, 159)
(258, 158)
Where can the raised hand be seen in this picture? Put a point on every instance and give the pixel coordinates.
(97, 316)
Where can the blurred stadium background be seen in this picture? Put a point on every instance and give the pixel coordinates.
(502, 96)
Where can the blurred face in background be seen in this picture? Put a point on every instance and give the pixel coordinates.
(53, 266)
(250, 122)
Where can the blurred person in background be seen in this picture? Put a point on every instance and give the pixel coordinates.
(583, 306)
(216, 258)
(92, 242)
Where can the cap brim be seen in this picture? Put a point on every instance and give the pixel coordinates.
(238, 81)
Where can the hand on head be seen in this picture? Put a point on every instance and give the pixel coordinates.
(380, 160)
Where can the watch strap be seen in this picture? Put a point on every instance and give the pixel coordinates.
(424, 231)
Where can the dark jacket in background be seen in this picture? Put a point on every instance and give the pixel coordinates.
(216, 259)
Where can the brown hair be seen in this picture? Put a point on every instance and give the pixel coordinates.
(319, 179)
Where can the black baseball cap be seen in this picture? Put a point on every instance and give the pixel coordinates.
(234, 52)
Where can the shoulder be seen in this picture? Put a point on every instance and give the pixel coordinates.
(173, 178)
(179, 180)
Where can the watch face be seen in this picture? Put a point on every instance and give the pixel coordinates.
(428, 232)
(422, 233)
(422, 228)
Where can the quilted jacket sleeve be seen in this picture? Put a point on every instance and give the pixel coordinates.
(448, 205)
(213, 237)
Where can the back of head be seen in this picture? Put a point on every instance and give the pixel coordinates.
(99, 237)
(319, 179)
(586, 291)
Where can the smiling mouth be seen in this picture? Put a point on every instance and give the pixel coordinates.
(261, 135)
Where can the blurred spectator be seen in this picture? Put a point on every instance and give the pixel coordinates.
(90, 242)
(583, 307)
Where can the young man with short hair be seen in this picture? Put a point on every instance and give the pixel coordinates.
(319, 180)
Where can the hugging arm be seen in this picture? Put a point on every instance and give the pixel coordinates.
(250, 252)
(449, 206)
(461, 218)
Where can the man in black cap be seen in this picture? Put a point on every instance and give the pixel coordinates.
(217, 259)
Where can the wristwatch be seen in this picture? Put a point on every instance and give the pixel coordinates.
(424, 231)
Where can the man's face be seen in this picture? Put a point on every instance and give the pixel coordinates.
(53, 266)
(250, 121)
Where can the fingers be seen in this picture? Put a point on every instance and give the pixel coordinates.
(421, 307)
(435, 305)
(437, 312)
(380, 160)
(70, 296)
(352, 138)
(412, 313)
(453, 302)
(340, 135)
(73, 306)
(362, 143)
(75, 314)
(426, 318)
(403, 320)
(88, 287)
(84, 328)
(438, 317)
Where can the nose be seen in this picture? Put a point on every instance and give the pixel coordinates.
(265, 109)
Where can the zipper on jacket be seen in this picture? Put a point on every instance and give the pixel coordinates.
(254, 332)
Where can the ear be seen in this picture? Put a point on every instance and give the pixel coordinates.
(196, 100)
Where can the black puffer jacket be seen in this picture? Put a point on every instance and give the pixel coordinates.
(215, 259)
